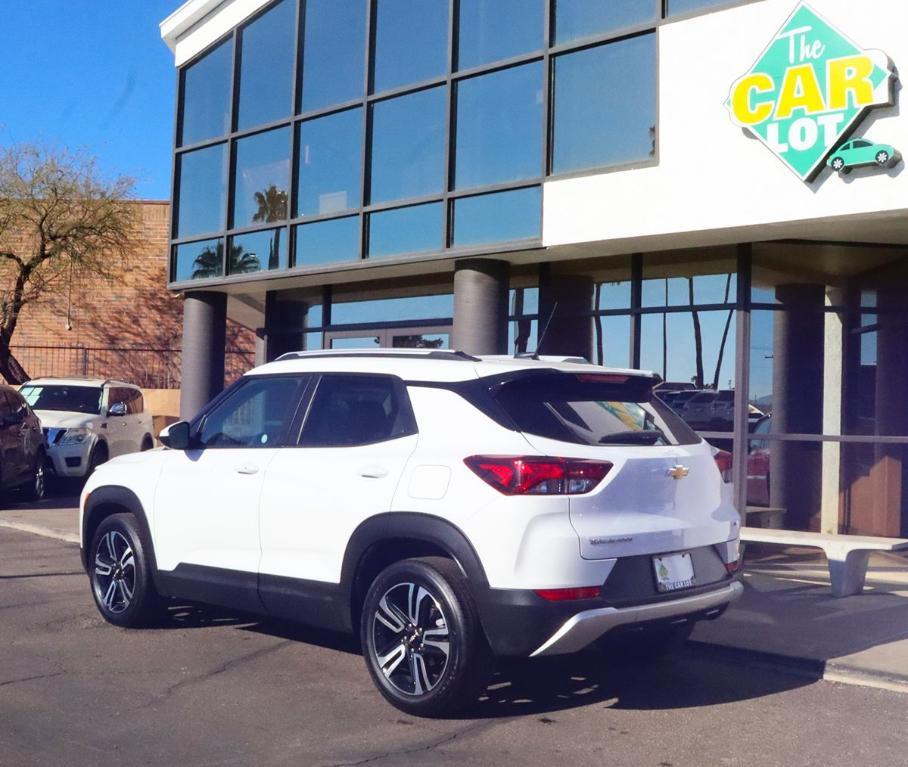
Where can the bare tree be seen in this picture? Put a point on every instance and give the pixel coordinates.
(698, 334)
(57, 214)
(731, 313)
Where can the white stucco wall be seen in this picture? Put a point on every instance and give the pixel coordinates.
(710, 175)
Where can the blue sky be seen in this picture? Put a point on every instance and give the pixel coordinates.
(92, 75)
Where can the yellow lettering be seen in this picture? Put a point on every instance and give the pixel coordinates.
(800, 90)
(850, 75)
(745, 111)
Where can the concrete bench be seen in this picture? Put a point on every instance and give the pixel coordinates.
(847, 554)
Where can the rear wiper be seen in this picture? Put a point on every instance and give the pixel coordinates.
(632, 438)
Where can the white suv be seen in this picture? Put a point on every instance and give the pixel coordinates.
(446, 508)
(86, 421)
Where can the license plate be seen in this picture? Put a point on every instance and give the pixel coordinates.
(674, 572)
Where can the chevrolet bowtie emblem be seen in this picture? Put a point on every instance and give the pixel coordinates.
(678, 472)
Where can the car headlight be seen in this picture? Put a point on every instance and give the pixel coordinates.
(74, 437)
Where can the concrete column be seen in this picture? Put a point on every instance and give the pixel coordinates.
(833, 380)
(285, 325)
(481, 306)
(797, 403)
(204, 337)
(565, 303)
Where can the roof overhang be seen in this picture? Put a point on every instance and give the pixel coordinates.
(196, 24)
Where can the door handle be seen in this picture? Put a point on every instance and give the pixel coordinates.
(373, 472)
(247, 469)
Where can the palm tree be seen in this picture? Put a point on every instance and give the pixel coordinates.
(208, 263)
(242, 261)
(272, 206)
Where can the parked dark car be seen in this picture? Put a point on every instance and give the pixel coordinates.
(23, 460)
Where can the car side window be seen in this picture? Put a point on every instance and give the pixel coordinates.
(134, 401)
(256, 414)
(6, 404)
(350, 410)
(861, 144)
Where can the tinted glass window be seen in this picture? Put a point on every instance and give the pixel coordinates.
(498, 29)
(499, 127)
(262, 178)
(257, 251)
(335, 33)
(406, 230)
(605, 105)
(411, 41)
(498, 217)
(408, 146)
(679, 7)
(136, 403)
(575, 19)
(203, 191)
(861, 144)
(6, 405)
(198, 260)
(266, 66)
(329, 176)
(115, 395)
(356, 410)
(592, 410)
(206, 95)
(76, 399)
(325, 242)
(255, 415)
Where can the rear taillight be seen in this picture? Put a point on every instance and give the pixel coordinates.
(725, 461)
(531, 475)
(569, 595)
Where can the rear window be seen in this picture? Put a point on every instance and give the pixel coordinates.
(592, 410)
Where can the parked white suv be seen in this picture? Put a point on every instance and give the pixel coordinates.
(446, 508)
(86, 421)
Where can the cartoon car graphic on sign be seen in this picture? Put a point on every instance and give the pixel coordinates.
(858, 152)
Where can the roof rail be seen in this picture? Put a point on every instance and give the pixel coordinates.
(432, 354)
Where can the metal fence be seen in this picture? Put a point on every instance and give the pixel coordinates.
(148, 368)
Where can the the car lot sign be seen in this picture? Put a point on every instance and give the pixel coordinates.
(808, 90)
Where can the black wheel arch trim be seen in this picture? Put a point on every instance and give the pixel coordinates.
(409, 526)
(119, 497)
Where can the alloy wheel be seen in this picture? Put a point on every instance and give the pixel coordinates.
(115, 572)
(39, 485)
(411, 641)
(882, 158)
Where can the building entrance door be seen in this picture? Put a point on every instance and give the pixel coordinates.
(438, 337)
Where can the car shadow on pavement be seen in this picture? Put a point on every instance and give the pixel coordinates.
(688, 678)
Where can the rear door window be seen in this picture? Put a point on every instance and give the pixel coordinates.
(350, 410)
(592, 409)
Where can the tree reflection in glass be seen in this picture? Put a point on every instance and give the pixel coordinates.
(208, 263)
(272, 206)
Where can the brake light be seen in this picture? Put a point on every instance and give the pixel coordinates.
(532, 475)
(567, 595)
(725, 461)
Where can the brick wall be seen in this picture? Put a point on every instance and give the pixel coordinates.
(131, 310)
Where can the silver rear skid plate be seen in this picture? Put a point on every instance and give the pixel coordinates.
(586, 627)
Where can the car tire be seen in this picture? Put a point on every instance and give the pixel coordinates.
(99, 455)
(648, 643)
(147, 443)
(120, 574)
(882, 158)
(422, 640)
(36, 488)
(838, 164)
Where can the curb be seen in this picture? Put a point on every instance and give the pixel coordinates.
(809, 668)
(45, 532)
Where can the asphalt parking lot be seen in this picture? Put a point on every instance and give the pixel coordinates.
(214, 688)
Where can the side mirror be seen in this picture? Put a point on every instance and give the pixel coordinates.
(117, 409)
(177, 436)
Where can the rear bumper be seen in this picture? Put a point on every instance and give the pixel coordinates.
(586, 627)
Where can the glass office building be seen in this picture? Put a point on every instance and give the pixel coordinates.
(575, 177)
